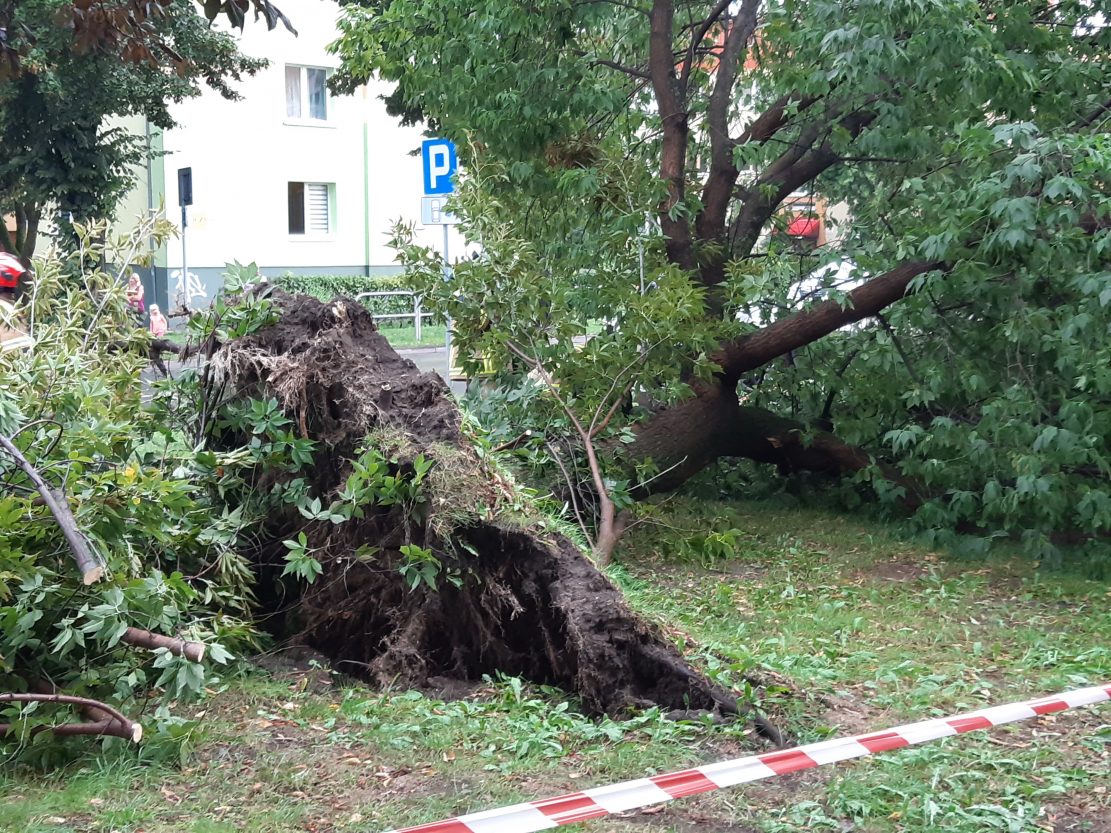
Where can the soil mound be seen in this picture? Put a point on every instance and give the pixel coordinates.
(509, 596)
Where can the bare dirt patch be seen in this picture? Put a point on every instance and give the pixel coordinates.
(900, 571)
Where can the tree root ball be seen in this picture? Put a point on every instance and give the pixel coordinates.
(510, 596)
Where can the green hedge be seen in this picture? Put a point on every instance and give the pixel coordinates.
(327, 287)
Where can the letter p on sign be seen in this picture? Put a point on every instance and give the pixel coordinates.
(438, 156)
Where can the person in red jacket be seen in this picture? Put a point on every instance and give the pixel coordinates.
(12, 337)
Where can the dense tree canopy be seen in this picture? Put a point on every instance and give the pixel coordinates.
(954, 333)
(59, 149)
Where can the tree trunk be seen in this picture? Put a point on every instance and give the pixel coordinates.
(686, 438)
(27, 217)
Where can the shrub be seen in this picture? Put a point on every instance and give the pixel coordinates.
(327, 287)
(147, 496)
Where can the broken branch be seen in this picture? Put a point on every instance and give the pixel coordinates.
(103, 727)
(193, 651)
(114, 724)
(92, 570)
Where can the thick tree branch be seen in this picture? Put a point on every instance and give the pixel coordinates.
(765, 437)
(723, 173)
(685, 438)
(671, 103)
(757, 349)
(702, 29)
(768, 123)
(27, 217)
(20, 228)
(1100, 113)
(193, 651)
(92, 570)
(100, 728)
(113, 723)
(799, 165)
(6, 242)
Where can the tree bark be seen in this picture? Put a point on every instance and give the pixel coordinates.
(718, 191)
(686, 438)
(92, 570)
(112, 723)
(671, 100)
(103, 728)
(755, 350)
(193, 651)
(27, 217)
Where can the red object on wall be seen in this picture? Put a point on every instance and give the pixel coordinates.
(803, 227)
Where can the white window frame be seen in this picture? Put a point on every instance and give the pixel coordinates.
(305, 119)
(310, 234)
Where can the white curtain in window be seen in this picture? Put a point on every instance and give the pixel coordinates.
(293, 92)
(316, 208)
(318, 93)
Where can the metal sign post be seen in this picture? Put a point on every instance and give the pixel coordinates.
(184, 199)
(439, 164)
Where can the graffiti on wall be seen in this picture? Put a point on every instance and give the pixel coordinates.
(188, 288)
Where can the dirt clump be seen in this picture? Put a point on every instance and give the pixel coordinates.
(510, 595)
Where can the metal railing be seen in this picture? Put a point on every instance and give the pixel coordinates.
(417, 314)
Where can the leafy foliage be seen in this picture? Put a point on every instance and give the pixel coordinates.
(630, 177)
(61, 147)
(149, 499)
(125, 31)
(328, 287)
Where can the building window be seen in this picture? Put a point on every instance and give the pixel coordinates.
(306, 93)
(310, 208)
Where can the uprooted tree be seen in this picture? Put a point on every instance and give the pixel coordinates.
(423, 559)
(637, 169)
(305, 479)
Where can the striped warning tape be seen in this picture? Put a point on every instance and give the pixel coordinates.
(616, 798)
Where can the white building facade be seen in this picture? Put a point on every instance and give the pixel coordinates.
(290, 177)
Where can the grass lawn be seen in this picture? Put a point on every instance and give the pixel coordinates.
(844, 627)
(432, 335)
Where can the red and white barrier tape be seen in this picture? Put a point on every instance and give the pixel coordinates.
(617, 798)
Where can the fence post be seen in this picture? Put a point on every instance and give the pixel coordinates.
(416, 316)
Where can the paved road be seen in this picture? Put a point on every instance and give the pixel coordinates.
(428, 358)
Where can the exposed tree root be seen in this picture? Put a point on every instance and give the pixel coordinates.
(510, 596)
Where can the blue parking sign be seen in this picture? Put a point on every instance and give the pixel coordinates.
(438, 156)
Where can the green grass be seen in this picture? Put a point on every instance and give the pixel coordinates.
(432, 335)
(845, 627)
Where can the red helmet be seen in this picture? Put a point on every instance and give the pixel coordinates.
(11, 270)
